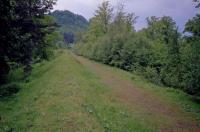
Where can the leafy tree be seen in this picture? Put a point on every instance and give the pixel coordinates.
(120, 31)
(100, 22)
(193, 62)
(103, 15)
(171, 74)
(198, 3)
(160, 29)
(23, 31)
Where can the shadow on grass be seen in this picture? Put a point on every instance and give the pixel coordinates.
(8, 90)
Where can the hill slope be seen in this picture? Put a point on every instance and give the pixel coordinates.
(72, 93)
(69, 21)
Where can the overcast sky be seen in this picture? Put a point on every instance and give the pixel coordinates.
(179, 10)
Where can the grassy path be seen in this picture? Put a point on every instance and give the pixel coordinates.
(74, 94)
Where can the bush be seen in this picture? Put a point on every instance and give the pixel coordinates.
(152, 75)
(8, 90)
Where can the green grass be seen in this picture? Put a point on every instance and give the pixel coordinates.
(174, 96)
(64, 95)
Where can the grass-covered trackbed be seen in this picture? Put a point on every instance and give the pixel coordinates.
(71, 93)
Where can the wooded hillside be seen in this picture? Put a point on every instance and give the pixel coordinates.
(69, 21)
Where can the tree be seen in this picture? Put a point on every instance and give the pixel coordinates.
(160, 29)
(171, 73)
(104, 15)
(23, 31)
(100, 22)
(121, 29)
(198, 3)
(193, 62)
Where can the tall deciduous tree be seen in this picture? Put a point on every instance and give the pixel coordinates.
(193, 62)
(104, 15)
(22, 31)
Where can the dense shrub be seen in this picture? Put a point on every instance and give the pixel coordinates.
(152, 75)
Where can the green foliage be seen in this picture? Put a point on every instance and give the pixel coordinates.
(192, 62)
(71, 26)
(152, 75)
(103, 16)
(69, 21)
(24, 24)
(158, 52)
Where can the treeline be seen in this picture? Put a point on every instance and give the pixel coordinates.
(159, 52)
(27, 34)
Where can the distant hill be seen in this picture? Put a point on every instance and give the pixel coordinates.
(69, 22)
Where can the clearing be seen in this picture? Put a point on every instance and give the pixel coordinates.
(71, 93)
